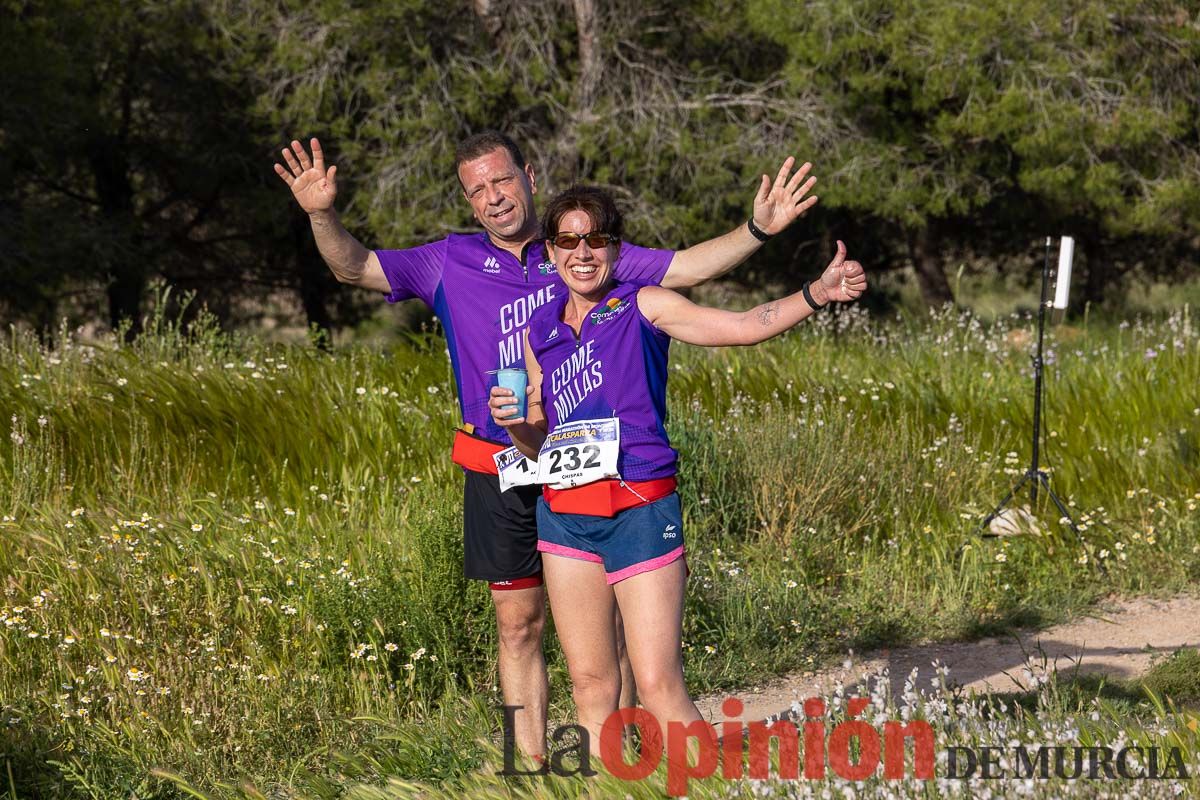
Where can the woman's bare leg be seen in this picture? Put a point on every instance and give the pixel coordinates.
(584, 608)
(652, 607)
(628, 682)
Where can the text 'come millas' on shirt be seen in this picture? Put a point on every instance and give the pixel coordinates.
(484, 297)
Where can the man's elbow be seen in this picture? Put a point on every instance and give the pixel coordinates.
(684, 273)
(697, 277)
(349, 277)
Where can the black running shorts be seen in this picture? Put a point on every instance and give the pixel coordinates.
(499, 530)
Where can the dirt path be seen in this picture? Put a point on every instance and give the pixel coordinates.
(1118, 638)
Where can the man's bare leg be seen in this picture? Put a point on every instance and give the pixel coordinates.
(520, 620)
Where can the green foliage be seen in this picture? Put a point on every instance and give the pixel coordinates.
(143, 137)
(1176, 677)
(273, 557)
(983, 124)
(954, 104)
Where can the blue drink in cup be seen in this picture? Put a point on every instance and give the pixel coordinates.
(516, 380)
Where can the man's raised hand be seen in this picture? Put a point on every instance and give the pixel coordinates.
(312, 185)
(779, 204)
(842, 281)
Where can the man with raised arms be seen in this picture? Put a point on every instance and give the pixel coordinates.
(484, 287)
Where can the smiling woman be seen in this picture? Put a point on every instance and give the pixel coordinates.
(610, 528)
(583, 232)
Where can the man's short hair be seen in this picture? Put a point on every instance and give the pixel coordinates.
(484, 142)
(598, 204)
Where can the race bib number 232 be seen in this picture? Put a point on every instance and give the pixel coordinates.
(580, 452)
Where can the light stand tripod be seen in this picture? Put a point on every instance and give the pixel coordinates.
(1035, 476)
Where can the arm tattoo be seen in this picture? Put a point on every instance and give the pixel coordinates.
(768, 314)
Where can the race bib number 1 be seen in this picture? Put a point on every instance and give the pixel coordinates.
(580, 452)
(514, 469)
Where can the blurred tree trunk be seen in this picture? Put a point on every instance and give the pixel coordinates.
(126, 273)
(927, 264)
(489, 15)
(591, 67)
(564, 153)
(1099, 275)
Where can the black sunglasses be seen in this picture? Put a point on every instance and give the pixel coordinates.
(595, 240)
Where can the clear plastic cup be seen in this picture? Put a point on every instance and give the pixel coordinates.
(516, 380)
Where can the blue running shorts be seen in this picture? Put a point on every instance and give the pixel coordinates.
(636, 540)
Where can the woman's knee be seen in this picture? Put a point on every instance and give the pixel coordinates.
(660, 686)
(592, 687)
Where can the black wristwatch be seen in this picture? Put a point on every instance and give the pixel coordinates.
(757, 232)
(808, 298)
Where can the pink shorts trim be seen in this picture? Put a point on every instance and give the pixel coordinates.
(568, 552)
(645, 566)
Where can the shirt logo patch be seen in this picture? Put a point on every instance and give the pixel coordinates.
(553, 335)
(614, 307)
(547, 268)
(491, 265)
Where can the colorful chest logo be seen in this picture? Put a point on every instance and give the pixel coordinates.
(547, 268)
(614, 307)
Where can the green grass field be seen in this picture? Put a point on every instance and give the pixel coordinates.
(240, 563)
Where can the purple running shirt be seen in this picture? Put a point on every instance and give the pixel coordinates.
(484, 296)
(617, 366)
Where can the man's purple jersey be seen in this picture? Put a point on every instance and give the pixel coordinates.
(617, 366)
(484, 296)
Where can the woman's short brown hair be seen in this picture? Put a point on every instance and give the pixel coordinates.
(598, 204)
